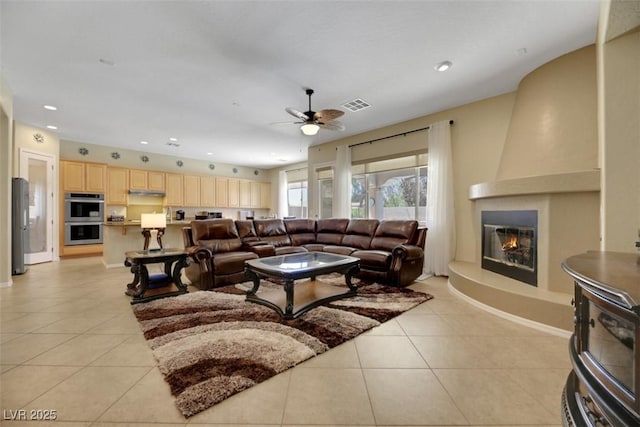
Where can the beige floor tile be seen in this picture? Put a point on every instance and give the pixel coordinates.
(122, 424)
(119, 324)
(327, 396)
(451, 352)
(392, 327)
(545, 385)
(31, 321)
(6, 368)
(25, 383)
(8, 337)
(75, 324)
(79, 351)
(423, 324)
(44, 423)
(342, 356)
(411, 397)
(5, 316)
(89, 392)
(489, 396)
(525, 352)
(29, 346)
(261, 404)
(388, 352)
(149, 400)
(132, 352)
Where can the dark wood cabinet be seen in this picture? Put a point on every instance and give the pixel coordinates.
(603, 388)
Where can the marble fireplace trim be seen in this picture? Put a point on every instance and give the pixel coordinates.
(568, 223)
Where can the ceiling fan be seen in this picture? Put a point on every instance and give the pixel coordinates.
(312, 121)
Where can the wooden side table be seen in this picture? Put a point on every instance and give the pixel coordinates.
(174, 261)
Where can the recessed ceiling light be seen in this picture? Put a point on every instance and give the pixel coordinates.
(107, 62)
(443, 66)
(50, 107)
(209, 154)
(144, 142)
(52, 127)
(173, 139)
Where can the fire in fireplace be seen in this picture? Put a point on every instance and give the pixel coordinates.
(509, 244)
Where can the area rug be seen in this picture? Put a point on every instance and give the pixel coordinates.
(212, 345)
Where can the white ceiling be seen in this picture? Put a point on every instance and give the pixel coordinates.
(217, 75)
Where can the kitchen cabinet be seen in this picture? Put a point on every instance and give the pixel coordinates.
(146, 180)
(118, 186)
(191, 192)
(256, 190)
(244, 191)
(222, 192)
(173, 188)
(265, 195)
(83, 177)
(208, 192)
(233, 198)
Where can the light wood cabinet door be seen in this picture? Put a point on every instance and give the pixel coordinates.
(173, 187)
(191, 192)
(118, 186)
(155, 181)
(234, 193)
(265, 195)
(72, 176)
(222, 192)
(255, 195)
(137, 179)
(95, 178)
(207, 191)
(244, 188)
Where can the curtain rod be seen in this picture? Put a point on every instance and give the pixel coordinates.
(393, 136)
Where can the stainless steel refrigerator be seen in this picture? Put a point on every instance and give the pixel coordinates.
(19, 224)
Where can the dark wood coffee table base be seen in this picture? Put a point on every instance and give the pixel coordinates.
(307, 295)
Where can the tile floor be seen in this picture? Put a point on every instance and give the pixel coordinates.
(70, 343)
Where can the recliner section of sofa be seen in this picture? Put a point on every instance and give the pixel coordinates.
(390, 251)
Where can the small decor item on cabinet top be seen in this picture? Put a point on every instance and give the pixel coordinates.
(37, 137)
(179, 163)
(255, 172)
(212, 166)
(83, 151)
(235, 170)
(115, 155)
(145, 159)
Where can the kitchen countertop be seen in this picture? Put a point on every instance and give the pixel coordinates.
(136, 222)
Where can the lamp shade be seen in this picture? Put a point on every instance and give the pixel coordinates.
(310, 129)
(152, 220)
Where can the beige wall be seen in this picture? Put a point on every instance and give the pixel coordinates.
(477, 138)
(620, 142)
(553, 128)
(23, 140)
(6, 172)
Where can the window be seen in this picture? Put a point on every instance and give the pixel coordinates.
(399, 193)
(297, 199)
(325, 192)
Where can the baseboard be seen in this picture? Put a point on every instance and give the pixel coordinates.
(508, 316)
(6, 284)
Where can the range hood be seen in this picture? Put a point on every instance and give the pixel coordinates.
(155, 193)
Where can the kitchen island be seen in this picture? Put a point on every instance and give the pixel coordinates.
(120, 237)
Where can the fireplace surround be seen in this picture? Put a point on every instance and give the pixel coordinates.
(509, 244)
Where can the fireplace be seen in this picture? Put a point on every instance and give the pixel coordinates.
(509, 244)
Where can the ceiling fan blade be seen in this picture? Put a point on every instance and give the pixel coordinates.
(296, 113)
(327, 115)
(333, 126)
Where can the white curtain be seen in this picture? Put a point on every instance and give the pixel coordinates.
(342, 183)
(440, 244)
(283, 203)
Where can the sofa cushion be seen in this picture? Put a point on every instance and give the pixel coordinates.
(217, 235)
(272, 231)
(246, 231)
(301, 231)
(331, 231)
(340, 250)
(391, 233)
(359, 233)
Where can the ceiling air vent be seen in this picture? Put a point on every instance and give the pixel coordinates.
(356, 105)
(173, 144)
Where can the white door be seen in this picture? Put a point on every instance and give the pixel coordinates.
(37, 168)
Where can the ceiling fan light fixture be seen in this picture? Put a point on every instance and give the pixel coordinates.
(310, 129)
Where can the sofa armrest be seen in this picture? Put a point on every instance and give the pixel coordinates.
(407, 252)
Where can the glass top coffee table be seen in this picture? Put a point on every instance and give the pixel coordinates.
(308, 294)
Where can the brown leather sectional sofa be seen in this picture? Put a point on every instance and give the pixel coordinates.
(390, 251)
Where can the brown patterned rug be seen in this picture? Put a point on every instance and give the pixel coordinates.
(211, 345)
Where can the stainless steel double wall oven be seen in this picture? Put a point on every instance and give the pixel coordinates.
(83, 218)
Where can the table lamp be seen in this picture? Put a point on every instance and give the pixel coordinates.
(150, 223)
